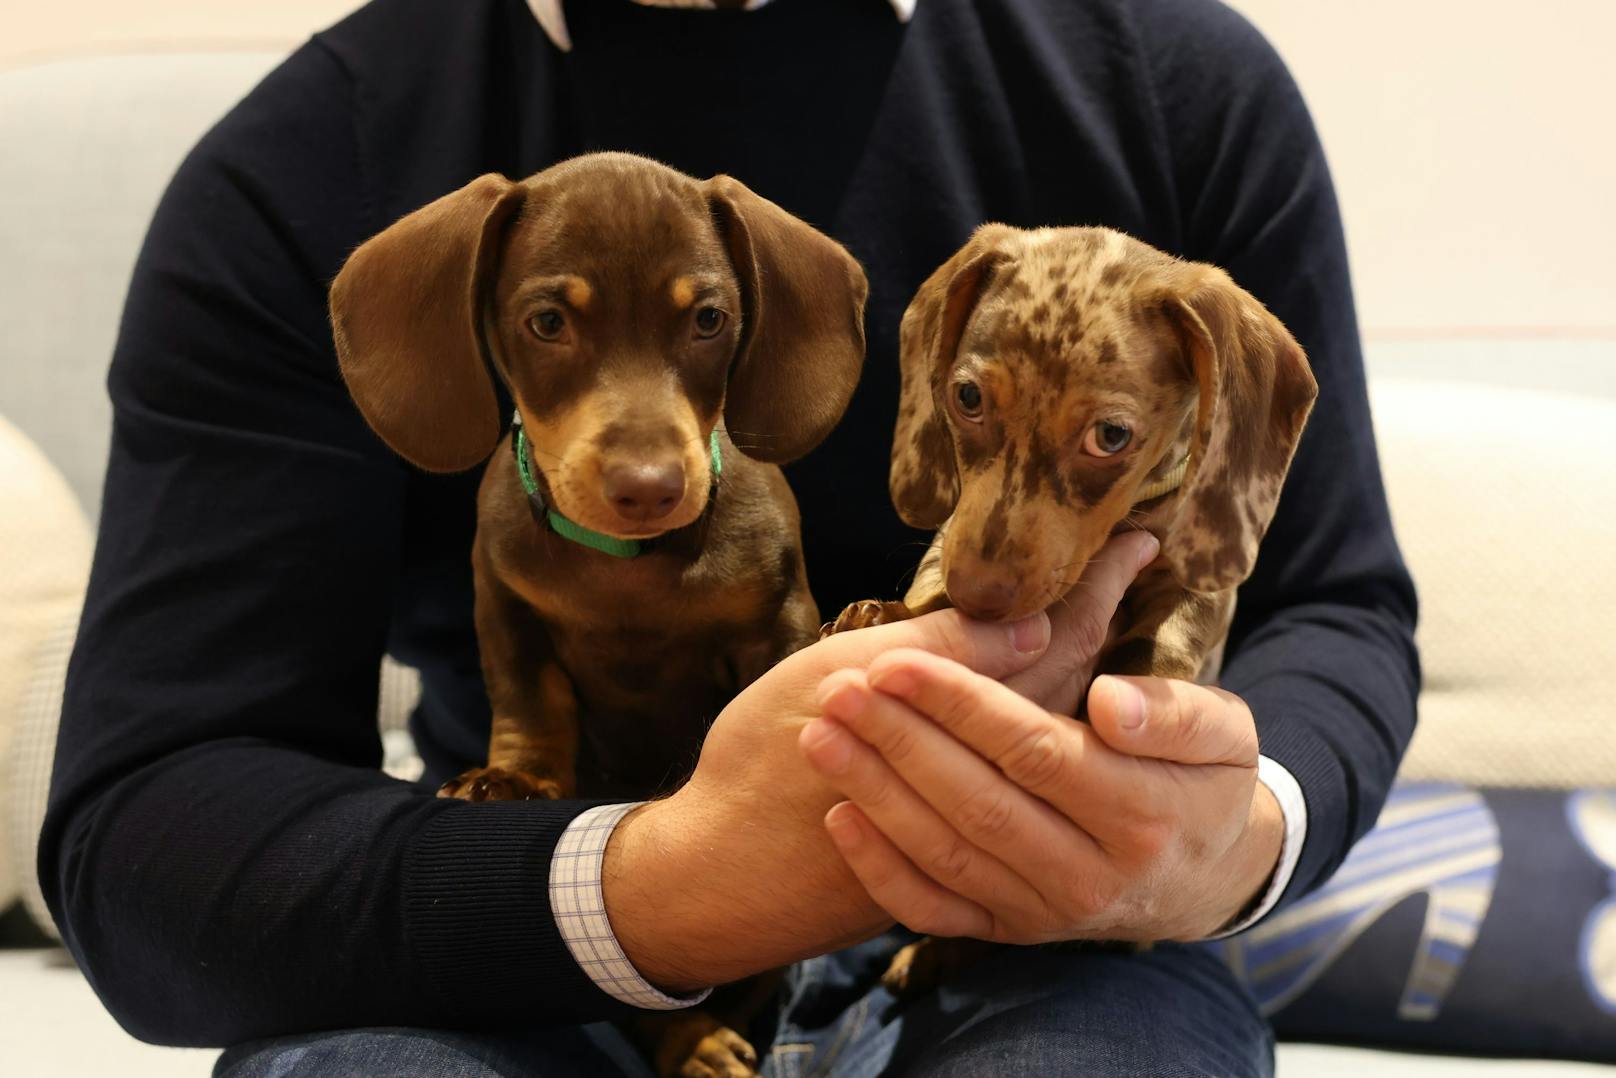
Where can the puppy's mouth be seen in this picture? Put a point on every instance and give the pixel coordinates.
(647, 515)
(989, 592)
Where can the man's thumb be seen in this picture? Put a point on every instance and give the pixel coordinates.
(993, 649)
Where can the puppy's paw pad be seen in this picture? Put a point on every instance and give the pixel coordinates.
(865, 614)
(499, 784)
(723, 1053)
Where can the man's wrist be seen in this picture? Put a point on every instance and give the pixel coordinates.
(1262, 844)
(644, 908)
(578, 902)
(1276, 798)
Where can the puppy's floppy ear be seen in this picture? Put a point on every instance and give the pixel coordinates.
(1256, 391)
(406, 314)
(802, 329)
(924, 480)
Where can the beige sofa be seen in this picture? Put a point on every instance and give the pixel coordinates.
(1495, 453)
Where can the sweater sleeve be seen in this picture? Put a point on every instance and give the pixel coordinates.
(1322, 648)
(221, 851)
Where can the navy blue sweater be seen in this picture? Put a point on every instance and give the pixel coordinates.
(221, 851)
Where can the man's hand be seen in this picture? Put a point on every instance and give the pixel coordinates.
(734, 873)
(973, 811)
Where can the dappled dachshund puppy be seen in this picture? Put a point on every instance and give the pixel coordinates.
(1065, 384)
(633, 571)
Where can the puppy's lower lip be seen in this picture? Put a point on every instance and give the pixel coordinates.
(646, 529)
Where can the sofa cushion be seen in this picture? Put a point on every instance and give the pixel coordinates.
(1501, 501)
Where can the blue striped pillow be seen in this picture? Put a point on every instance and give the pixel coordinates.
(1467, 920)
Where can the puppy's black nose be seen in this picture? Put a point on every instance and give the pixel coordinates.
(644, 492)
(981, 592)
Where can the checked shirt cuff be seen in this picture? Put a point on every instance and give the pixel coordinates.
(579, 904)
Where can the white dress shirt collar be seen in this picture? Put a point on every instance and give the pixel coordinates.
(549, 15)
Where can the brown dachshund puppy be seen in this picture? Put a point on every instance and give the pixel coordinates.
(633, 571)
(1065, 384)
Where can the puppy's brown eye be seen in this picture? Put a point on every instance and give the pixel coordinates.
(968, 395)
(547, 325)
(1106, 439)
(709, 320)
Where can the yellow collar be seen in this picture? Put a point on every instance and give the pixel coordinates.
(1167, 483)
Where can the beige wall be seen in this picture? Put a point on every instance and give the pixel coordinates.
(1471, 141)
(40, 29)
(1473, 148)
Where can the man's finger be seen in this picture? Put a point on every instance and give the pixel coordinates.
(1080, 622)
(1112, 796)
(1172, 720)
(909, 896)
(992, 649)
(860, 773)
(1083, 618)
(961, 796)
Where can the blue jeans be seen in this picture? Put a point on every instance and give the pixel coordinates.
(1171, 1011)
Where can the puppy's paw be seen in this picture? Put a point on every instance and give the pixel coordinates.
(911, 972)
(866, 614)
(499, 784)
(926, 963)
(694, 1044)
(723, 1053)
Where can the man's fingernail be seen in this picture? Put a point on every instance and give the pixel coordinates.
(894, 681)
(1030, 634)
(1129, 702)
(829, 745)
(843, 828)
(1148, 551)
(842, 702)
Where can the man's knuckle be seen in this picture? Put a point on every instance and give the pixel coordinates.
(956, 707)
(929, 918)
(955, 640)
(1089, 630)
(950, 862)
(1037, 761)
(898, 744)
(1149, 836)
(877, 792)
(1190, 717)
(1088, 897)
(985, 814)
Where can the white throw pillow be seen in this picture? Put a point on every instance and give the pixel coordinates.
(1502, 502)
(44, 564)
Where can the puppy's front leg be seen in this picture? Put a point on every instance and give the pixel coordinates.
(1170, 632)
(925, 594)
(533, 741)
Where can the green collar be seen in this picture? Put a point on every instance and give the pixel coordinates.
(606, 544)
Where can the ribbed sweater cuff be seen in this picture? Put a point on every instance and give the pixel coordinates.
(1316, 766)
(477, 907)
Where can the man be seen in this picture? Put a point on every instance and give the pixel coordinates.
(225, 860)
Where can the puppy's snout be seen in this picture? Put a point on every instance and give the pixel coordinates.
(644, 491)
(981, 590)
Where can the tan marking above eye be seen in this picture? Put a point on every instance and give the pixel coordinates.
(683, 292)
(578, 293)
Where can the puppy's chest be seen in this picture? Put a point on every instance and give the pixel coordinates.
(646, 695)
(652, 600)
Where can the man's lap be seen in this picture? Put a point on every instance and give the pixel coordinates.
(1173, 1010)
